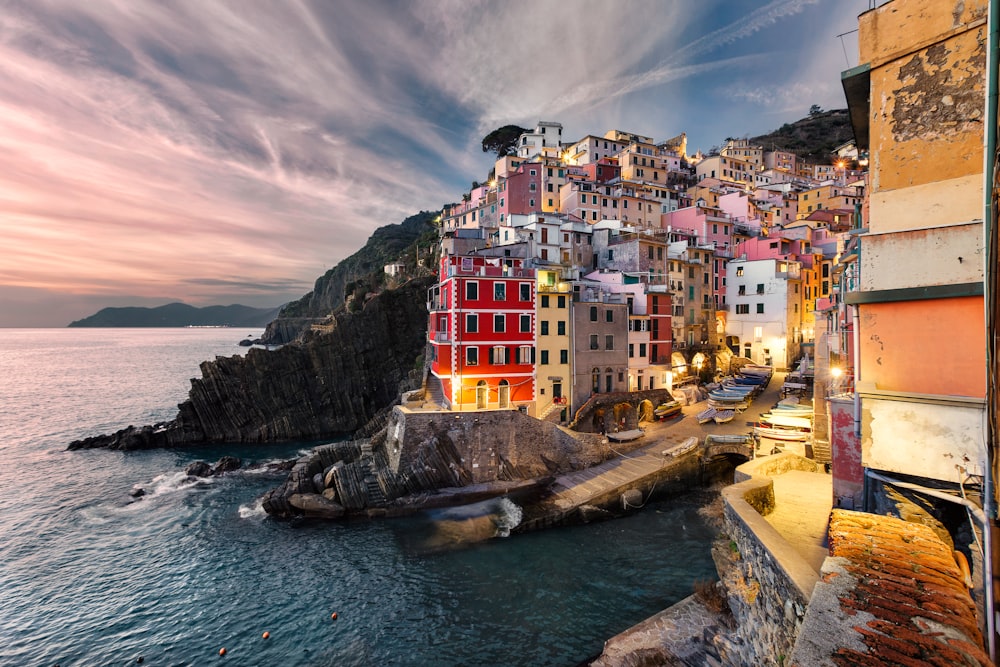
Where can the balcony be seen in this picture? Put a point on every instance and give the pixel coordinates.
(442, 337)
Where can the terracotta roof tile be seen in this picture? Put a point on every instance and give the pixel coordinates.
(907, 580)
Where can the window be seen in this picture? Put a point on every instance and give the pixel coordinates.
(642, 349)
(739, 270)
(741, 290)
(545, 301)
(499, 291)
(499, 323)
(609, 342)
(760, 288)
(690, 272)
(499, 355)
(471, 356)
(593, 313)
(525, 323)
(545, 358)
(609, 315)
(561, 302)
(631, 350)
(544, 326)
(563, 356)
(525, 292)
(758, 332)
(561, 328)
(594, 342)
(760, 308)
(471, 291)
(471, 323)
(742, 308)
(525, 354)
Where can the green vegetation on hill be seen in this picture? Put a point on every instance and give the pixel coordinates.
(179, 315)
(813, 137)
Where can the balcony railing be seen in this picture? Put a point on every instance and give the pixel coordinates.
(442, 337)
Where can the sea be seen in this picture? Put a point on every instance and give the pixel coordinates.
(91, 576)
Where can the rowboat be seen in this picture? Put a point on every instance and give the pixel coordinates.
(723, 416)
(706, 416)
(781, 433)
(668, 409)
(626, 436)
(728, 405)
(780, 421)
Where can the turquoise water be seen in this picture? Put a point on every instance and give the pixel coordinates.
(89, 576)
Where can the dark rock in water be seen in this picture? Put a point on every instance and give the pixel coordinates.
(331, 382)
(226, 464)
(246, 342)
(315, 505)
(137, 492)
(199, 469)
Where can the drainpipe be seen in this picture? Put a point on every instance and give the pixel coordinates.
(989, 165)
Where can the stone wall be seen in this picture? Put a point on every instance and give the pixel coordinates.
(768, 583)
(491, 445)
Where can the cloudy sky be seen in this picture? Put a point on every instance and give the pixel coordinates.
(218, 152)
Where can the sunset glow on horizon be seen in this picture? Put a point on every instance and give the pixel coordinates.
(231, 152)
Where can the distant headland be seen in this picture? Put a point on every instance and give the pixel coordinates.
(180, 315)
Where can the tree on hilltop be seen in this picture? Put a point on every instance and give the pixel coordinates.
(503, 140)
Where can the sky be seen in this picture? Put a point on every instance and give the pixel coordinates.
(217, 152)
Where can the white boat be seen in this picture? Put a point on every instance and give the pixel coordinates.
(728, 404)
(626, 436)
(788, 411)
(781, 433)
(723, 416)
(780, 421)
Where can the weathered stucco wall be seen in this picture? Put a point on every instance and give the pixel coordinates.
(927, 205)
(927, 62)
(845, 445)
(934, 346)
(942, 256)
(925, 439)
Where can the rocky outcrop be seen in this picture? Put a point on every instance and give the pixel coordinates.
(389, 243)
(330, 383)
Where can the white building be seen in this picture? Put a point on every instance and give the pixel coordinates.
(765, 301)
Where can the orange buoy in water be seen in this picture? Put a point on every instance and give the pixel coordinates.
(334, 616)
(266, 635)
(222, 651)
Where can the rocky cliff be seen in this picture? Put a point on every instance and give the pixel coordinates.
(389, 243)
(331, 382)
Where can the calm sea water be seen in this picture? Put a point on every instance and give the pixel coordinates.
(88, 576)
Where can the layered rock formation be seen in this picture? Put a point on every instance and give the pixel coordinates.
(331, 382)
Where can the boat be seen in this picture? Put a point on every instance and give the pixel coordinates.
(668, 409)
(781, 421)
(723, 416)
(726, 395)
(626, 436)
(780, 433)
(728, 439)
(740, 404)
(706, 416)
(792, 412)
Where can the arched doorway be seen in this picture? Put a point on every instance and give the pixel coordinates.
(595, 380)
(504, 394)
(608, 379)
(482, 393)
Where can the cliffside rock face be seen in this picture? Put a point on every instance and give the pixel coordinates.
(329, 384)
(385, 245)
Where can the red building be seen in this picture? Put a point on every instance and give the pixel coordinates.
(482, 332)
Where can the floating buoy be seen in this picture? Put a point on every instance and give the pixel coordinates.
(266, 635)
(334, 616)
(222, 651)
(140, 660)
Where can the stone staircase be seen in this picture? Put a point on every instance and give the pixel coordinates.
(435, 392)
(821, 451)
(552, 409)
(376, 497)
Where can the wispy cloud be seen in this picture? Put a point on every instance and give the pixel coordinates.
(211, 152)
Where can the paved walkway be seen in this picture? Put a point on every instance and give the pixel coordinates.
(802, 513)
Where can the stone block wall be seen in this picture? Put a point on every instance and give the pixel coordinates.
(768, 583)
(491, 445)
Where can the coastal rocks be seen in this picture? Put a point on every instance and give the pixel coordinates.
(224, 465)
(330, 383)
(312, 505)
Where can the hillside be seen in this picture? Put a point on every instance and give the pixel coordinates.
(813, 137)
(361, 272)
(179, 315)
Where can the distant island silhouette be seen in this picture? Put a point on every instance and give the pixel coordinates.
(180, 315)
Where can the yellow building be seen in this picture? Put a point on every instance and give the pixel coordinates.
(553, 343)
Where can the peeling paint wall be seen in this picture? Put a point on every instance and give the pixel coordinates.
(846, 468)
(924, 439)
(928, 64)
